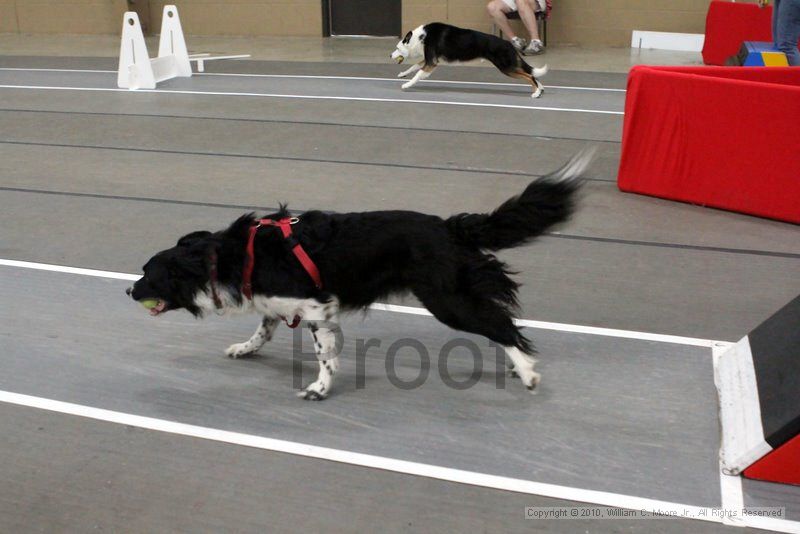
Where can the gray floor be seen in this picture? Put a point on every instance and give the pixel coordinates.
(658, 425)
(72, 474)
(103, 179)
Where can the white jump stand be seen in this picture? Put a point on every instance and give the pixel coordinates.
(138, 71)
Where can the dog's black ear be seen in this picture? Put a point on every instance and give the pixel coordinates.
(188, 239)
(407, 38)
(422, 37)
(192, 261)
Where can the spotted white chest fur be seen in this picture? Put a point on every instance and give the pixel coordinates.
(321, 317)
(272, 307)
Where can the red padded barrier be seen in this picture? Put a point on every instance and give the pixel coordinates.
(781, 465)
(725, 137)
(729, 24)
(782, 76)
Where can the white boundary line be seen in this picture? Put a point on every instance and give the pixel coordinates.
(69, 270)
(428, 81)
(574, 328)
(561, 327)
(776, 525)
(367, 460)
(23, 69)
(313, 77)
(684, 511)
(730, 486)
(309, 97)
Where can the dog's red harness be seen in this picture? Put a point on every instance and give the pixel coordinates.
(302, 256)
(286, 228)
(305, 260)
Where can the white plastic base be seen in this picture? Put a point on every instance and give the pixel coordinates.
(742, 441)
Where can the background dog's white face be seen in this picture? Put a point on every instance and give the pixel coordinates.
(411, 47)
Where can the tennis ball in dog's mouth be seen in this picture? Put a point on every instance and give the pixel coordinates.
(399, 59)
(149, 303)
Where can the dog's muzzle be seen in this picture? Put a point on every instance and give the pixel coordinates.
(398, 57)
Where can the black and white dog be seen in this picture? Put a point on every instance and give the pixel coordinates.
(354, 259)
(434, 43)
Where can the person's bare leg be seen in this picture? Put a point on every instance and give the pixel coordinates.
(528, 17)
(497, 9)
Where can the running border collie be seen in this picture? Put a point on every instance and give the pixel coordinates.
(436, 42)
(360, 258)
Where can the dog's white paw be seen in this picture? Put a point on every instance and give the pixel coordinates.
(524, 371)
(315, 391)
(538, 92)
(402, 74)
(533, 382)
(530, 378)
(407, 85)
(239, 350)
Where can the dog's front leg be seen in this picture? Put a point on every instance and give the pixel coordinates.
(422, 74)
(262, 334)
(414, 68)
(327, 351)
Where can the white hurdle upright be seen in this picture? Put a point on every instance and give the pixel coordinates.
(138, 71)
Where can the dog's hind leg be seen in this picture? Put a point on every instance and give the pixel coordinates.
(485, 317)
(538, 88)
(262, 334)
(327, 345)
(411, 70)
(422, 74)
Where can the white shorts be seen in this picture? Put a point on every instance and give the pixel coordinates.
(512, 4)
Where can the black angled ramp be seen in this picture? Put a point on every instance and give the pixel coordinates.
(775, 345)
(758, 380)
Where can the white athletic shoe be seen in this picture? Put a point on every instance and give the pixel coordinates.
(534, 48)
(519, 43)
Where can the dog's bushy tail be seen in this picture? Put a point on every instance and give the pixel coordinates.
(538, 72)
(546, 201)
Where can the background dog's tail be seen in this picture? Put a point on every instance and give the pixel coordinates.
(546, 201)
(538, 72)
